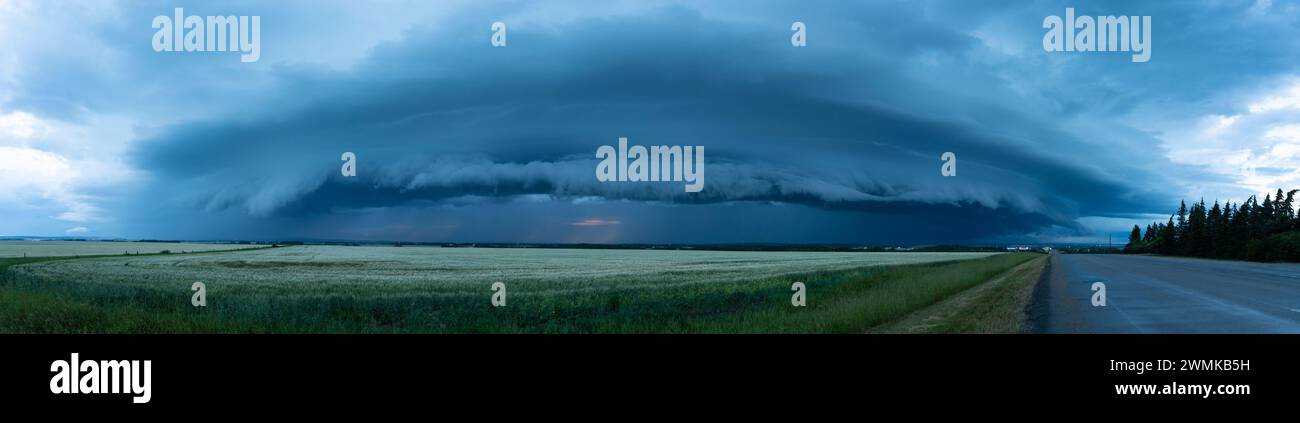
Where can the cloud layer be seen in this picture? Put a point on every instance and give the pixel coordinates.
(835, 142)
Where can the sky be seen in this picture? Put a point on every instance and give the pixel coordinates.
(837, 141)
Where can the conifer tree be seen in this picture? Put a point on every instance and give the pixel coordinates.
(1255, 230)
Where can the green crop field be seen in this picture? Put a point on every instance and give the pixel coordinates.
(430, 289)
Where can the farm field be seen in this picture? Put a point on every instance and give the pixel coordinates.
(430, 289)
(18, 248)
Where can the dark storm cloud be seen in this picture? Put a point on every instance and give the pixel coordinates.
(838, 126)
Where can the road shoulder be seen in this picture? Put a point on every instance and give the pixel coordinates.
(999, 305)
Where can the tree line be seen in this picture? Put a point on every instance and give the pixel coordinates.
(1250, 230)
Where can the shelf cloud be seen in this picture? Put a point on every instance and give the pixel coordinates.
(837, 141)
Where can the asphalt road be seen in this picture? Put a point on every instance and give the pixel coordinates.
(1146, 294)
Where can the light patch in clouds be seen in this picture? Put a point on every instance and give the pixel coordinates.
(36, 179)
(21, 125)
(52, 171)
(1285, 133)
(1288, 99)
(1258, 149)
(597, 222)
(77, 230)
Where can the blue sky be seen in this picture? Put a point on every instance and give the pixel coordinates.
(457, 141)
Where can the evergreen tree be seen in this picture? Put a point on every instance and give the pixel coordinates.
(1217, 229)
(1196, 242)
(1166, 244)
(1288, 206)
(1267, 216)
(1255, 230)
(1276, 216)
(1181, 229)
(1241, 228)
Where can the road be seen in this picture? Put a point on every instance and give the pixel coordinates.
(1146, 294)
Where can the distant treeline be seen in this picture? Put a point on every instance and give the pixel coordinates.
(1267, 231)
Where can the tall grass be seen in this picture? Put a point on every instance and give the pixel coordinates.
(858, 301)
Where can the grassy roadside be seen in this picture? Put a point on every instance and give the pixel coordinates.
(838, 302)
(879, 298)
(997, 306)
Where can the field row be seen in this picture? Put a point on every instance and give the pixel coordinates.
(383, 270)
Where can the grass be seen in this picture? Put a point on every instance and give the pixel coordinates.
(33, 311)
(29, 312)
(997, 306)
(368, 289)
(872, 299)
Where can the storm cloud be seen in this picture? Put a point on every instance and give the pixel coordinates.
(838, 141)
